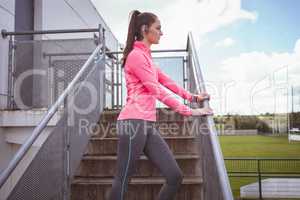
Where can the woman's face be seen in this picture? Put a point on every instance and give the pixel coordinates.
(154, 33)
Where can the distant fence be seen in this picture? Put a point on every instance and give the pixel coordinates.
(259, 168)
(237, 131)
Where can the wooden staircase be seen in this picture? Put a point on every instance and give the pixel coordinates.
(93, 178)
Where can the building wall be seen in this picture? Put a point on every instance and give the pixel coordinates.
(6, 152)
(24, 21)
(54, 14)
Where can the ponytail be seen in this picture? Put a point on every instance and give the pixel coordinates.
(137, 19)
(131, 35)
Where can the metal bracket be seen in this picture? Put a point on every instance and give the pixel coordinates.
(3, 33)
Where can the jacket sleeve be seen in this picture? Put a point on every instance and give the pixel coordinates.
(142, 69)
(165, 80)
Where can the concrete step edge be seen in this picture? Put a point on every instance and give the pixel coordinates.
(134, 181)
(143, 157)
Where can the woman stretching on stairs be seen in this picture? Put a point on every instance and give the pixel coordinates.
(136, 122)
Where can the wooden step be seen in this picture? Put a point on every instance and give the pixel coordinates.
(94, 177)
(138, 188)
(105, 166)
(108, 146)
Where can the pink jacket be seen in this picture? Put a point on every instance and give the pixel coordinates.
(144, 82)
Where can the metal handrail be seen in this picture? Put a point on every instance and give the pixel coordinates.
(6, 33)
(220, 164)
(47, 117)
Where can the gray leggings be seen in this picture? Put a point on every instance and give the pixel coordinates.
(137, 136)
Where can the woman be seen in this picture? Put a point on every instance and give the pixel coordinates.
(136, 122)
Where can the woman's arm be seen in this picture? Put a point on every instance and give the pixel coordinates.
(165, 80)
(139, 65)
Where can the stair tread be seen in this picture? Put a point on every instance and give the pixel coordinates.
(95, 138)
(134, 180)
(143, 157)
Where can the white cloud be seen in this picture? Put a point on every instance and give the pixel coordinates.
(227, 42)
(261, 77)
(177, 17)
(200, 17)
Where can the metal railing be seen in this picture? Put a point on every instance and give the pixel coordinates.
(117, 83)
(6, 33)
(215, 158)
(263, 168)
(46, 59)
(59, 141)
(24, 56)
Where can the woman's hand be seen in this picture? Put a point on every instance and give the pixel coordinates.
(201, 97)
(202, 112)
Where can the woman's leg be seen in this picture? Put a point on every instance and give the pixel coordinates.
(132, 136)
(157, 150)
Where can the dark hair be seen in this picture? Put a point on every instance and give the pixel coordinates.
(137, 20)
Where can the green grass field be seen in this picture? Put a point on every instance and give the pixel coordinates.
(261, 147)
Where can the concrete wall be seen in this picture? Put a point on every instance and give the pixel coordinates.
(7, 16)
(24, 19)
(6, 151)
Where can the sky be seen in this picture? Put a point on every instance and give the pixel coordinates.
(249, 50)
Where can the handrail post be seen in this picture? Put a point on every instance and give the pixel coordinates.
(99, 34)
(104, 69)
(4, 33)
(259, 179)
(11, 50)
